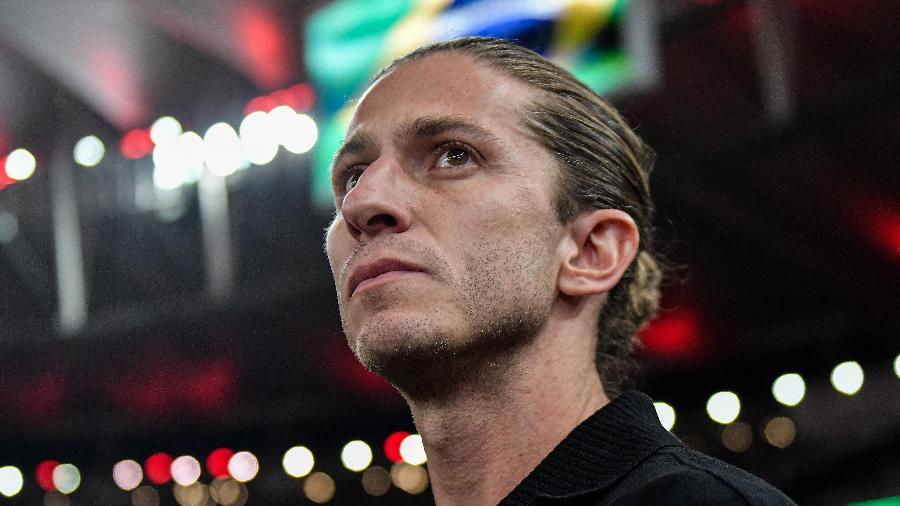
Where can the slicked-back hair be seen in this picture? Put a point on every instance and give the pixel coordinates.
(603, 164)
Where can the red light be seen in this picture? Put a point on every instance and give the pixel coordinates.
(158, 468)
(44, 474)
(392, 446)
(264, 40)
(884, 224)
(674, 333)
(302, 97)
(210, 386)
(5, 180)
(299, 97)
(217, 462)
(136, 144)
(264, 104)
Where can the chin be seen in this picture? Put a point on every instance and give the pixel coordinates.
(394, 335)
(432, 357)
(410, 353)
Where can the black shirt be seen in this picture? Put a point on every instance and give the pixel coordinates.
(622, 455)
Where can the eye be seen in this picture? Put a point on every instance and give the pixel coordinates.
(352, 178)
(454, 157)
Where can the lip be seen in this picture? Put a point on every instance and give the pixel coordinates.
(384, 269)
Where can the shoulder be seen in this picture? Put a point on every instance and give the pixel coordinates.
(680, 475)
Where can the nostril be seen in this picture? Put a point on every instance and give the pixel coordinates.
(382, 221)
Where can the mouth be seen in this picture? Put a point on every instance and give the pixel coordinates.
(377, 272)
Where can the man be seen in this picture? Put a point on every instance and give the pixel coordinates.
(492, 251)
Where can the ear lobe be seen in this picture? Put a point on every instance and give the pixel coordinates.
(602, 245)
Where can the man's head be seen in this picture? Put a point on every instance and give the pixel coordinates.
(485, 167)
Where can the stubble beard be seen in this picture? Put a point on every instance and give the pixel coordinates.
(427, 361)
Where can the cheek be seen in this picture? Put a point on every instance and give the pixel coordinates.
(336, 248)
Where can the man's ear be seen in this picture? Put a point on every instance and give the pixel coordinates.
(602, 244)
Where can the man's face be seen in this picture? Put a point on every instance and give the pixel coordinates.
(445, 239)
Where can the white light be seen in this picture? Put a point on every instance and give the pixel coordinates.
(11, 481)
(127, 474)
(356, 455)
(897, 366)
(221, 149)
(185, 470)
(723, 407)
(304, 133)
(164, 129)
(20, 164)
(259, 141)
(847, 377)
(66, 478)
(167, 177)
(298, 461)
(789, 389)
(243, 466)
(296, 132)
(666, 414)
(412, 450)
(178, 161)
(89, 151)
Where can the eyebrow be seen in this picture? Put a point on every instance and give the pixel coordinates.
(424, 127)
(358, 142)
(432, 126)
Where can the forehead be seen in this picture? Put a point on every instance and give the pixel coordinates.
(441, 84)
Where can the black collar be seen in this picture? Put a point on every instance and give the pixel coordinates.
(597, 452)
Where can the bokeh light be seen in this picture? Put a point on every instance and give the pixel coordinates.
(20, 164)
(243, 466)
(356, 455)
(228, 492)
(723, 407)
(318, 487)
(127, 474)
(145, 496)
(178, 161)
(897, 365)
(392, 445)
(296, 132)
(259, 143)
(136, 144)
(66, 478)
(157, 468)
(737, 436)
(221, 150)
(847, 377)
(164, 129)
(185, 470)
(11, 481)
(217, 462)
(412, 450)
(195, 494)
(409, 478)
(43, 474)
(298, 461)
(780, 431)
(167, 177)
(666, 414)
(376, 481)
(789, 389)
(89, 151)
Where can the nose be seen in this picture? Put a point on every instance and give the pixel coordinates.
(378, 204)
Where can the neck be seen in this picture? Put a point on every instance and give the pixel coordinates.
(486, 436)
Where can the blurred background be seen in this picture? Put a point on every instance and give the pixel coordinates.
(168, 325)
